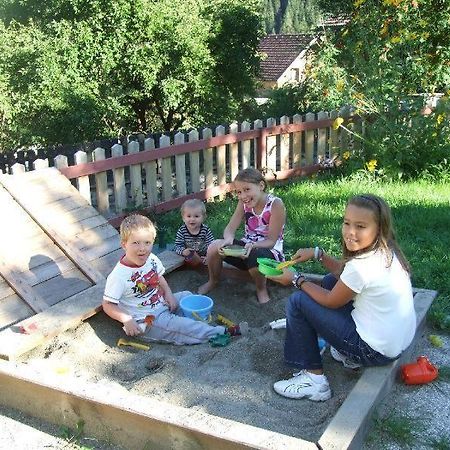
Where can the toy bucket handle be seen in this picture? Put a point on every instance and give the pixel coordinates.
(197, 317)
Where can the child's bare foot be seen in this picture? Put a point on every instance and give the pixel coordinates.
(205, 288)
(263, 296)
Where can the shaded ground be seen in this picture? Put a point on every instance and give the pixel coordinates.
(233, 382)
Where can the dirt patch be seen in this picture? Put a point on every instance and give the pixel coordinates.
(233, 382)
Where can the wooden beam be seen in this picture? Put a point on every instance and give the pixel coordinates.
(21, 287)
(17, 188)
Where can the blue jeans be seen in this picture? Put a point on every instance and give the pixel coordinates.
(306, 320)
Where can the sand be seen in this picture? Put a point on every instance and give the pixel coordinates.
(233, 382)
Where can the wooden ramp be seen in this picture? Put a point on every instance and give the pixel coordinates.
(55, 253)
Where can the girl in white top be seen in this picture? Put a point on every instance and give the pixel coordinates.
(366, 314)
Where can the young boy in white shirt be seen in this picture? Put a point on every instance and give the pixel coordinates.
(136, 289)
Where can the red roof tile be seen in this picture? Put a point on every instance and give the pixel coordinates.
(281, 50)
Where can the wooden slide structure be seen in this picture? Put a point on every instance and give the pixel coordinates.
(55, 253)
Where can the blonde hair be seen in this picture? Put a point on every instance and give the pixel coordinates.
(193, 203)
(385, 240)
(136, 222)
(250, 175)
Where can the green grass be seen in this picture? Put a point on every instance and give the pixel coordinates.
(395, 428)
(421, 211)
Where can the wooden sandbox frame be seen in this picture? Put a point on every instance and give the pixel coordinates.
(109, 412)
(135, 422)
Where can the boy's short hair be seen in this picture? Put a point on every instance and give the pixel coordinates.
(193, 203)
(136, 222)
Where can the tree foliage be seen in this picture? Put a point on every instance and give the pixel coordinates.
(73, 70)
(389, 59)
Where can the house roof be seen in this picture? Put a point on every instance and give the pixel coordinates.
(279, 50)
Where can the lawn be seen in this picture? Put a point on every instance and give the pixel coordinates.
(421, 211)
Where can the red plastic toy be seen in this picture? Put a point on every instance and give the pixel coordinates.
(420, 372)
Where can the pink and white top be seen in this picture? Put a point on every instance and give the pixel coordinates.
(257, 227)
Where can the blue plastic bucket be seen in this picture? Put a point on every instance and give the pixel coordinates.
(197, 306)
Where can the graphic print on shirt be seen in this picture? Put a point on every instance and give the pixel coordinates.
(147, 285)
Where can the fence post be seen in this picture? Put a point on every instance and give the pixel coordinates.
(40, 164)
(334, 136)
(284, 145)
(208, 161)
(180, 167)
(101, 183)
(321, 137)
(234, 153)
(221, 160)
(135, 176)
(259, 144)
(345, 138)
(120, 190)
(194, 163)
(271, 142)
(17, 168)
(60, 161)
(245, 146)
(151, 177)
(166, 170)
(297, 144)
(309, 140)
(83, 184)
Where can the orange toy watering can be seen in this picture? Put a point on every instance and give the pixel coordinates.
(420, 372)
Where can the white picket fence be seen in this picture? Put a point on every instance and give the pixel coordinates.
(201, 164)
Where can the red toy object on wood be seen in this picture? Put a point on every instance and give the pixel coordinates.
(420, 372)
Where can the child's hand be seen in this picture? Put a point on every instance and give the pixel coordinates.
(131, 328)
(186, 252)
(248, 248)
(303, 254)
(171, 302)
(285, 278)
(223, 244)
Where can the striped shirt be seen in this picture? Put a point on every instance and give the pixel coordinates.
(197, 242)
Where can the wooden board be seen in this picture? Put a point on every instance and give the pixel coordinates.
(63, 315)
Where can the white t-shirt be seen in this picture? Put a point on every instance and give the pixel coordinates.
(136, 289)
(383, 306)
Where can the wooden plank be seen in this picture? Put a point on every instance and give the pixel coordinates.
(180, 167)
(194, 164)
(271, 162)
(64, 315)
(246, 158)
(334, 136)
(284, 145)
(5, 289)
(23, 289)
(322, 136)
(54, 320)
(13, 309)
(309, 141)
(151, 175)
(234, 153)
(208, 160)
(135, 177)
(69, 283)
(120, 190)
(45, 221)
(166, 171)
(297, 144)
(221, 160)
(101, 183)
(129, 421)
(83, 183)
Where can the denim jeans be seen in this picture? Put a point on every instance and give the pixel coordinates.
(306, 320)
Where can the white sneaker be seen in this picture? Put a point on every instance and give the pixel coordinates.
(302, 384)
(345, 360)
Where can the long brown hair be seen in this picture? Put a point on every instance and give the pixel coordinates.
(385, 240)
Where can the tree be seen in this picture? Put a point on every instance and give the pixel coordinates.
(79, 69)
